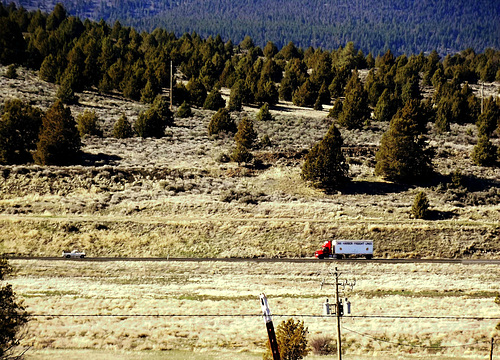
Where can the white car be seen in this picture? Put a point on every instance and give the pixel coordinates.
(73, 254)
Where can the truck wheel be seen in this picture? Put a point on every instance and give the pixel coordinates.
(340, 256)
(321, 256)
(68, 256)
(82, 256)
(369, 257)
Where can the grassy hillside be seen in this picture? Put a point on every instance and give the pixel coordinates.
(173, 197)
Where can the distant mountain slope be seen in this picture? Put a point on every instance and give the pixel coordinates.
(404, 26)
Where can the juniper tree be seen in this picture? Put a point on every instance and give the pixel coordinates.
(403, 155)
(420, 207)
(355, 109)
(325, 165)
(13, 316)
(184, 111)
(214, 101)
(88, 124)
(246, 134)
(264, 114)
(153, 121)
(59, 142)
(291, 337)
(122, 128)
(221, 122)
(19, 128)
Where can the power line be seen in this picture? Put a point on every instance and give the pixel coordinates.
(414, 345)
(475, 318)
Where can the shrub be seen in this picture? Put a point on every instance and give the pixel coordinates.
(184, 111)
(323, 346)
(59, 142)
(484, 153)
(291, 336)
(11, 72)
(214, 101)
(264, 114)
(420, 208)
(197, 92)
(13, 316)
(88, 124)
(265, 141)
(336, 109)
(246, 135)
(221, 121)
(241, 154)
(122, 128)
(152, 122)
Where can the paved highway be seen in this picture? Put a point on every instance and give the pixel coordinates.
(292, 260)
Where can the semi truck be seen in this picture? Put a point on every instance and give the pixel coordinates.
(338, 249)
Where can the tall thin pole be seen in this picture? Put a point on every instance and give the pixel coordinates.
(337, 311)
(491, 350)
(171, 89)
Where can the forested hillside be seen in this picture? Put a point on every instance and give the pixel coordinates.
(404, 26)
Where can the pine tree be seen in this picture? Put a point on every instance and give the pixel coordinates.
(355, 109)
(59, 142)
(325, 165)
(402, 155)
(221, 122)
(420, 207)
(246, 134)
(122, 128)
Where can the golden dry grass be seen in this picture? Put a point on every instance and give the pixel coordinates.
(225, 288)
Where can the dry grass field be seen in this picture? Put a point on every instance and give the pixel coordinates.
(173, 197)
(223, 290)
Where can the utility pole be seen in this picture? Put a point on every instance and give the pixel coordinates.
(339, 307)
(266, 313)
(338, 314)
(482, 96)
(171, 89)
(491, 349)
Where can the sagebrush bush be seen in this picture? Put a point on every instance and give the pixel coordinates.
(122, 128)
(88, 124)
(323, 345)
